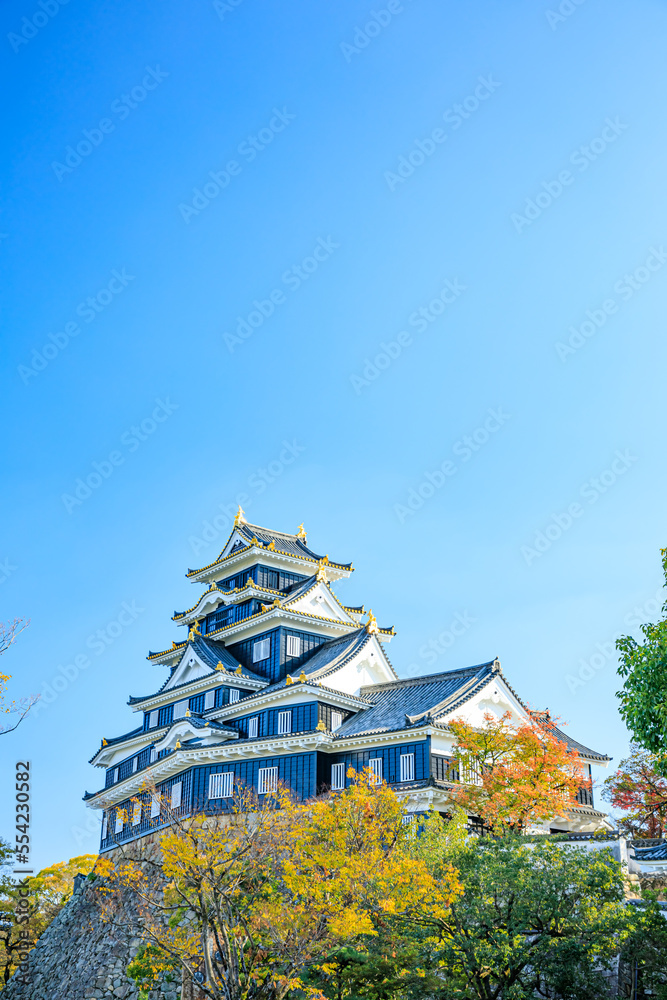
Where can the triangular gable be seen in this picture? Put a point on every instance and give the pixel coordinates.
(367, 666)
(318, 600)
(190, 668)
(494, 697)
(235, 538)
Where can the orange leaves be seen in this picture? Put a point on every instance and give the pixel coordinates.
(517, 773)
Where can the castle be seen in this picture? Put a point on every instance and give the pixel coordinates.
(278, 681)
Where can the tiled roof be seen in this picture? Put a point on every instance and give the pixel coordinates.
(422, 699)
(212, 653)
(197, 722)
(656, 853)
(569, 742)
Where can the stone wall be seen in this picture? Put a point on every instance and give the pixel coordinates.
(80, 957)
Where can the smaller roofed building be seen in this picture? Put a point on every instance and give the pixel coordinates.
(278, 681)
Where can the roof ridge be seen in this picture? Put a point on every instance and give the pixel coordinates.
(429, 678)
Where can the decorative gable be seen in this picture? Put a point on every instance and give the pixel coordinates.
(191, 668)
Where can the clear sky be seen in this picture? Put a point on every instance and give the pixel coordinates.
(409, 259)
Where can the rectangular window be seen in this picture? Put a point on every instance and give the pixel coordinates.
(337, 777)
(284, 723)
(136, 816)
(470, 774)
(267, 780)
(375, 764)
(153, 755)
(293, 645)
(336, 721)
(155, 806)
(180, 708)
(119, 822)
(209, 699)
(261, 650)
(253, 727)
(176, 794)
(135, 764)
(152, 719)
(221, 786)
(105, 824)
(234, 695)
(115, 774)
(407, 767)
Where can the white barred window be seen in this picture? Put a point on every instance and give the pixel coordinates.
(153, 755)
(375, 764)
(253, 727)
(105, 825)
(267, 780)
(136, 817)
(337, 777)
(261, 650)
(407, 767)
(152, 719)
(176, 790)
(180, 708)
(284, 723)
(135, 764)
(336, 721)
(119, 821)
(155, 805)
(209, 699)
(221, 785)
(234, 695)
(293, 645)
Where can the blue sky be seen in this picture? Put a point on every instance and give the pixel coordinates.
(410, 263)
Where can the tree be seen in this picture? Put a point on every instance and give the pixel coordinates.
(247, 907)
(9, 632)
(25, 917)
(641, 791)
(515, 774)
(534, 920)
(643, 704)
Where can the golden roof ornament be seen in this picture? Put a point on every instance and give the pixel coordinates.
(239, 669)
(239, 519)
(302, 677)
(250, 582)
(320, 726)
(178, 745)
(288, 680)
(301, 532)
(220, 666)
(276, 602)
(321, 575)
(371, 624)
(255, 541)
(188, 713)
(272, 545)
(104, 742)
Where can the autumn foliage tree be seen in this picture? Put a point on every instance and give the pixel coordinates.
(515, 774)
(9, 632)
(641, 792)
(248, 907)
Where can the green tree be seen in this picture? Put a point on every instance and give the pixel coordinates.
(536, 919)
(643, 697)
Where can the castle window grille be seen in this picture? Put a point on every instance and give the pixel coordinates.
(253, 727)
(407, 767)
(119, 822)
(336, 721)
(261, 650)
(375, 765)
(234, 695)
(152, 719)
(284, 723)
(136, 817)
(267, 780)
(293, 645)
(209, 699)
(221, 785)
(180, 708)
(176, 790)
(337, 777)
(155, 805)
(105, 825)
